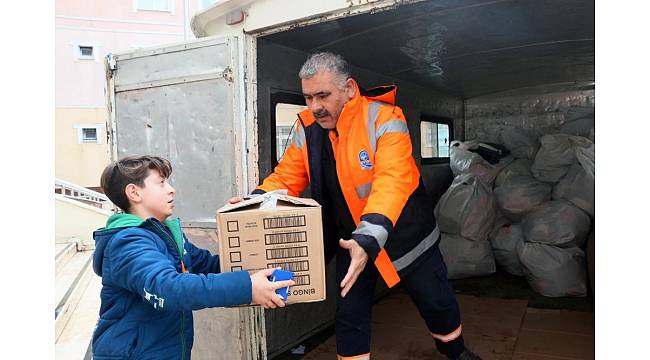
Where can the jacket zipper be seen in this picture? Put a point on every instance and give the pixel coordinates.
(180, 256)
(183, 335)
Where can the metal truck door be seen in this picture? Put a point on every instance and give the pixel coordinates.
(182, 102)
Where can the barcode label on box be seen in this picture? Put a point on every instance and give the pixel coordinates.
(285, 238)
(285, 222)
(301, 280)
(286, 253)
(291, 266)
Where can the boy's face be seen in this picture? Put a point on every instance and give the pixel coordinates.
(157, 196)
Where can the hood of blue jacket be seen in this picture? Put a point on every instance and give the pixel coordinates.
(119, 222)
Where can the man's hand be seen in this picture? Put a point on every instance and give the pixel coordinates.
(234, 200)
(264, 290)
(359, 258)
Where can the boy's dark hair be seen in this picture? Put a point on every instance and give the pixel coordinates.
(130, 170)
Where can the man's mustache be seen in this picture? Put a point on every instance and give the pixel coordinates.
(321, 114)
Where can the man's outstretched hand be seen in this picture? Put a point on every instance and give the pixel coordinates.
(359, 258)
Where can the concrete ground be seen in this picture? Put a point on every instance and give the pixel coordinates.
(502, 319)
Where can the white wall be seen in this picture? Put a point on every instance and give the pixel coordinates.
(73, 219)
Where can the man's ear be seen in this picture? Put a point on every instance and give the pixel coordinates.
(350, 89)
(132, 193)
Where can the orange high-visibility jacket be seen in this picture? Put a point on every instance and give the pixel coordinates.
(378, 176)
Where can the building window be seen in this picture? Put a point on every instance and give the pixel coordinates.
(285, 120)
(204, 4)
(284, 114)
(84, 52)
(89, 133)
(154, 5)
(435, 135)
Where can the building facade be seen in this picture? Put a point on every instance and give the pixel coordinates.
(86, 31)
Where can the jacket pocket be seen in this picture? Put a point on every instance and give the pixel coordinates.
(115, 339)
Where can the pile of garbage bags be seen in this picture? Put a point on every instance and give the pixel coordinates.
(526, 206)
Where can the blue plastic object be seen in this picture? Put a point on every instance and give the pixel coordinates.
(280, 275)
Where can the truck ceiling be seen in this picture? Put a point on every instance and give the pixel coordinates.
(466, 48)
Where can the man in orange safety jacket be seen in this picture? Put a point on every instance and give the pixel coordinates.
(355, 152)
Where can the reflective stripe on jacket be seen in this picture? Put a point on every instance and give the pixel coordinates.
(378, 176)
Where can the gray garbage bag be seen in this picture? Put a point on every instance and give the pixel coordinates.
(501, 220)
(522, 143)
(553, 271)
(554, 158)
(467, 208)
(466, 258)
(577, 187)
(520, 194)
(460, 158)
(463, 161)
(558, 223)
(504, 241)
(581, 126)
(586, 156)
(517, 167)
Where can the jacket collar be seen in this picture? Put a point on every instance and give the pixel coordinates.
(352, 108)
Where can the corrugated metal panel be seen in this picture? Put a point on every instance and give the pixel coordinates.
(544, 112)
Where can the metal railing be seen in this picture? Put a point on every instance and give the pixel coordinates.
(82, 194)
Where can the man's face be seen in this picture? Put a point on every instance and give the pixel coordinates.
(157, 196)
(325, 97)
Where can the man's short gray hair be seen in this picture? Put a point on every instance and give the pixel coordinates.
(326, 61)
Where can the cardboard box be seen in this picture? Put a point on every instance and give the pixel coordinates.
(261, 233)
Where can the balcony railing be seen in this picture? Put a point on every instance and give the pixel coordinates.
(82, 194)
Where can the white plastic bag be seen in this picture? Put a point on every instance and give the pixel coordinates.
(554, 158)
(522, 143)
(504, 241)
(586, 156)
(581, 126)
(553, 271)
(577, 187)
(517, 167)
(463, 161)
(557, 223)
(521, 194)
(467, 208)
(466, 258)
(460, 158)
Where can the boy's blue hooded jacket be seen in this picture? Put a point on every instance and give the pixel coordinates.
(146, 298)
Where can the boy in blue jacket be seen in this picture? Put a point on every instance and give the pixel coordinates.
(152, 277)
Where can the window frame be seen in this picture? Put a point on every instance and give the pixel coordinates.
(434, 119)
(76, 48)
(281, 97)
(98, 131)
(87, 139)
(170, 7)
(200, 4)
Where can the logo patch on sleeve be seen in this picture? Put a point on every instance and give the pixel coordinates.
(364, 160)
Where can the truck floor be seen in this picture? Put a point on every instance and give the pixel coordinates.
(502, 319)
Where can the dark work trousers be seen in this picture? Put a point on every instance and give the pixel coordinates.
(427, 286)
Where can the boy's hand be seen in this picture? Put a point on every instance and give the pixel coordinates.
(264, 290)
